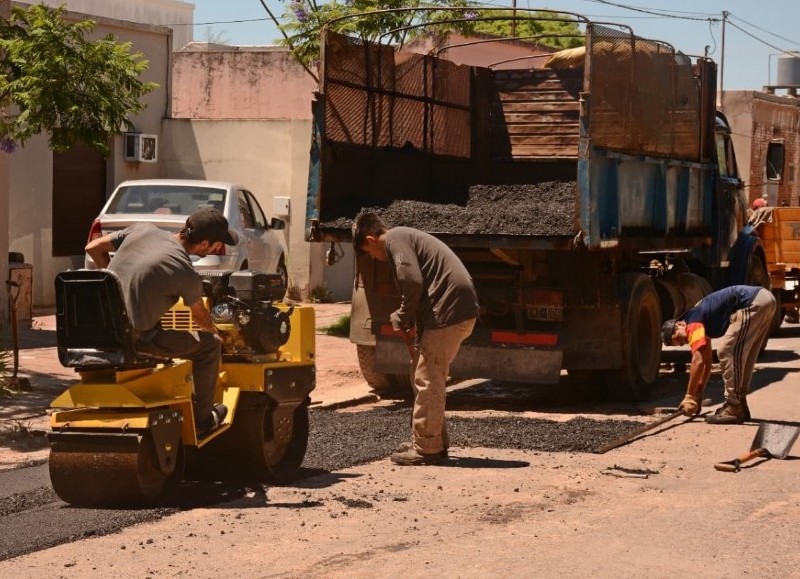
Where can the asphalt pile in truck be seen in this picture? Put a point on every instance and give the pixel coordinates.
(539, 209)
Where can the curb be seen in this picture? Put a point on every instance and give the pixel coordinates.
(366, 399)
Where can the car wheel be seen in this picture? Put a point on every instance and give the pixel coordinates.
(284, 273)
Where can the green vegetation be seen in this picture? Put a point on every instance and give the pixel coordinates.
(303, 20)
(55, 81)
(340, 328)
(5, 391)
(320, 295)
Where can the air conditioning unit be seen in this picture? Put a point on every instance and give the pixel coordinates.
(141, 148)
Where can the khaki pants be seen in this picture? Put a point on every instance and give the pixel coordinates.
(437, 349)
(738, 348)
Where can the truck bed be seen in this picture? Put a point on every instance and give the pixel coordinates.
(523, 158)
(535, 209)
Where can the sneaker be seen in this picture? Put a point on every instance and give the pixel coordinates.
(413, 458)
(409, 446)
(214, 420)
(727, 414)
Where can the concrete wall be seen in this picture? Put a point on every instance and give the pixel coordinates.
(151, 12)
(463, 50)
(240, 83)
(31, 167)
(250, 122)
(270, 158)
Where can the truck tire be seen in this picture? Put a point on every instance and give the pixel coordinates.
(641, 343)
(384, 385)
(694, 288)
(366, 363)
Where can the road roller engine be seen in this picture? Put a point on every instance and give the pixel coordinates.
(126, 434)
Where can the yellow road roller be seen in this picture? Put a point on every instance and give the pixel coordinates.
(125, 434)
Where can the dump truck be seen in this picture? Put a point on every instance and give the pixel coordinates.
(590, 196)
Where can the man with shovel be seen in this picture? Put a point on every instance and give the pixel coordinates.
(739, 316)
(439, 301)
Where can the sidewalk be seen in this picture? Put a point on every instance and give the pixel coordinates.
(339, 381)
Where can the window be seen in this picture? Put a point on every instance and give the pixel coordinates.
(775, 161)
(258, 215)
(244, 210)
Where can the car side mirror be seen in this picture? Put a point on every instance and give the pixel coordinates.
(276, 223)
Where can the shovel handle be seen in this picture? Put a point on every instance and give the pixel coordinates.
(638, 432)
(735, 465)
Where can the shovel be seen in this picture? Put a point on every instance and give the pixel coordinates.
(772, 441)
(638, 432)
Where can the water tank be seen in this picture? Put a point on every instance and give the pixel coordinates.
(789, 71)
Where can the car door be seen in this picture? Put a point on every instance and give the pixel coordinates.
(255, 230)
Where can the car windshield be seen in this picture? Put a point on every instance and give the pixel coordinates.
(166, 199)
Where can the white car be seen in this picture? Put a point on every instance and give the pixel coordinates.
(167, 203)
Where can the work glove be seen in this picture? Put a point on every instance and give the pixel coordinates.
(690, 405)
(397, 325)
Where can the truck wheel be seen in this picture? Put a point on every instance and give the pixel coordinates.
(366, 363)
(384, 385)
(694, 289)
(641, 344)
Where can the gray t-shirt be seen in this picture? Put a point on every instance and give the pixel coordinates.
(437, 289)
(154, 271)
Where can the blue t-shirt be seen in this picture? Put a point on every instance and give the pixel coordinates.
(714, 311)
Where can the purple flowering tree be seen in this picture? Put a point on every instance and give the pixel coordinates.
(302, 22)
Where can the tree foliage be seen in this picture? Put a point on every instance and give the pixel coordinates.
(303, 20)
(541, 27)
(55, 80)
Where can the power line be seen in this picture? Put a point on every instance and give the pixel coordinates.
(659, 13)
(764, 30)
(761, 40)
(219, 22)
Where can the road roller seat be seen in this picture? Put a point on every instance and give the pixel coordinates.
(93, 329)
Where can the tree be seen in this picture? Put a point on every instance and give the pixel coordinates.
(55, 81)
(303, 20)
(548, 29)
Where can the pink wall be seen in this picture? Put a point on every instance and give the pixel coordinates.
(240, 83)
(485, 54)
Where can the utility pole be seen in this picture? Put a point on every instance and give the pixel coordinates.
(514, 18)
(722, 56)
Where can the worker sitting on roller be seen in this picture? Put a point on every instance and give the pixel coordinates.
(154, 270)
(740, 317)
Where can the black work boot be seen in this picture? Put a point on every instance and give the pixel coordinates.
(213, 420)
